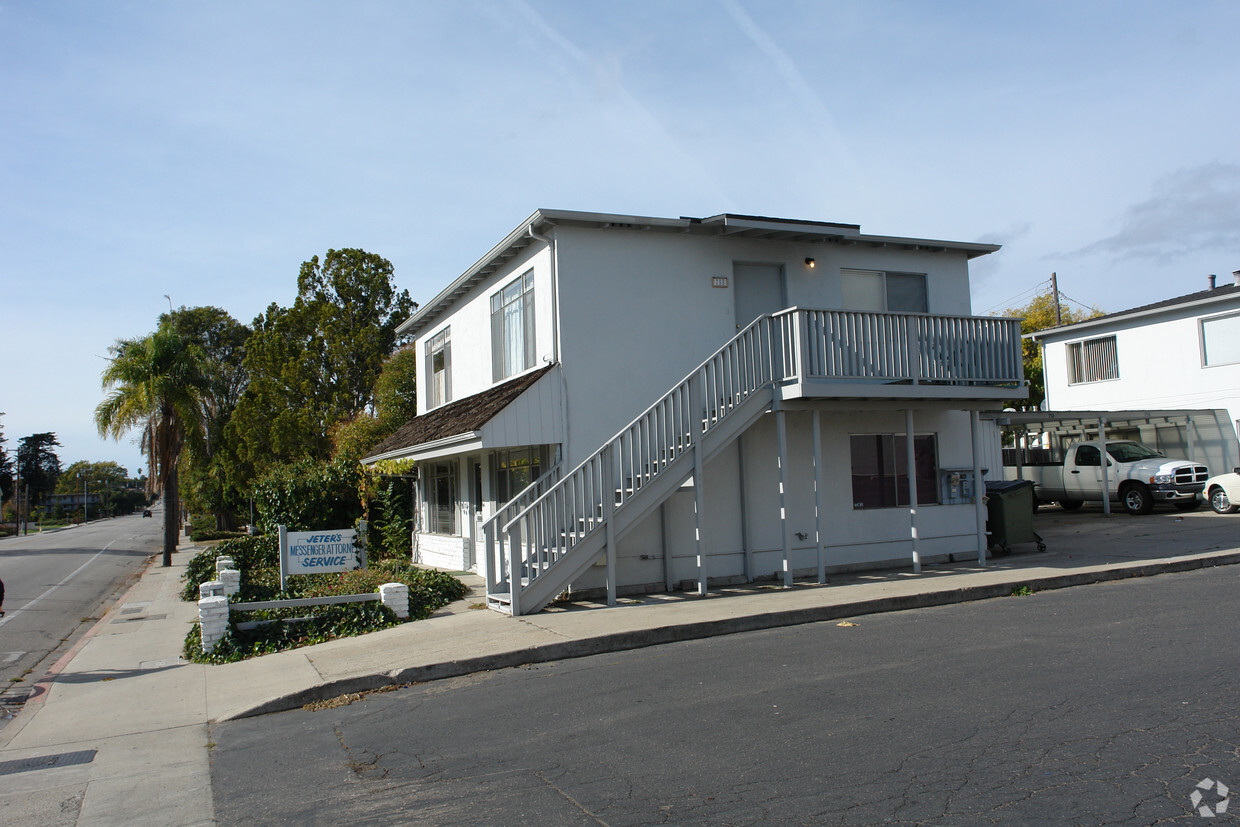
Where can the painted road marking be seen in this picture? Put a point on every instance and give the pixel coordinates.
(11, 615)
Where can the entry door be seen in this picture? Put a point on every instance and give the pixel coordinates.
(757, 289)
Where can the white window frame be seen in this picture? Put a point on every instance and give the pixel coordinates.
(512, 328)
(1229, 358)
(1092, 360)
(439, 348)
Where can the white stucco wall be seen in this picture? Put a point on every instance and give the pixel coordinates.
(470, 321)
(855, 538)
(638, 310)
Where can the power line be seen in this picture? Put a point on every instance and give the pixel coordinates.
(1028, 292)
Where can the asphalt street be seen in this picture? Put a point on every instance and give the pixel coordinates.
(1099, 704)
(57, 584)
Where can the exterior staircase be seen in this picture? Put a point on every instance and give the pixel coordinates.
(553, 532)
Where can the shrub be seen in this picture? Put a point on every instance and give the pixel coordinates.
(308, 495)
(258, 560)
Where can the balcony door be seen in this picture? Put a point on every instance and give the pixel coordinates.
(757, 289)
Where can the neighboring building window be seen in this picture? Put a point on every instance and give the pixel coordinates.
(1092, 360)
(441, 497)
(1220, 340)
(878, 291)
(516, 469)
(512, 328)
(439, 369)
(880, 469)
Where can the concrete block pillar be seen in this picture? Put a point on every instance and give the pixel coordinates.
(213, 619)
(231, 578)
(222, 563)
(211, 588)
(396, 597)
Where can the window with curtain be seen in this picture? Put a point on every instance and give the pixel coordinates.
(880, 469)
(439, 369)
(441, 498)
(1093, 360)
(512, 328)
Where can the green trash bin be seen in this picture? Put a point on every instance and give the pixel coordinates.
(1009, 515)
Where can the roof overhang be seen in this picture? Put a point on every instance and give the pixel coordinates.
(448, 446)
(1068, 331)
(729, 225)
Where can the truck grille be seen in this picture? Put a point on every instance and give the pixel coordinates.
(1188, 476)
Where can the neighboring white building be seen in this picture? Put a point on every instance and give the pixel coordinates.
(623, 361)
(1179, 353)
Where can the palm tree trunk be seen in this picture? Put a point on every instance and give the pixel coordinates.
(172, 511)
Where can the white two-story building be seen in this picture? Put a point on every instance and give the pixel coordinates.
(700, 401)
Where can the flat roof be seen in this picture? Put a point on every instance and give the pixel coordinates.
(729, 225)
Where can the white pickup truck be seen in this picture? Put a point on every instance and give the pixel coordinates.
(1137, 477)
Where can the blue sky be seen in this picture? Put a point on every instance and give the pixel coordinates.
(204, 150)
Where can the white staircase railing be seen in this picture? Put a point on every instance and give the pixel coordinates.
(533, 535)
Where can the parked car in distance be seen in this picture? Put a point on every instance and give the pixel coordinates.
(146, 512)
(1223, 492)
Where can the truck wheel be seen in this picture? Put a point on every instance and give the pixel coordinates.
(1187, 505)
(1136, 498)
(1219, 501)
(1069, 505)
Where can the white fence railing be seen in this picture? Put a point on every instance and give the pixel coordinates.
(528, 536)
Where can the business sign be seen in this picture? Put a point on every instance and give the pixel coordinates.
(318, 552)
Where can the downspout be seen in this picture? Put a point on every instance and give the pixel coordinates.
(555, 333)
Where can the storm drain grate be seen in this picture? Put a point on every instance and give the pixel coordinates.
(47, 762)
(144, 617)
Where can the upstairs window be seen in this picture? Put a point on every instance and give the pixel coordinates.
(879, 291)
(1093, 360)
(439, 369)
(512, 328)
(1220, 340)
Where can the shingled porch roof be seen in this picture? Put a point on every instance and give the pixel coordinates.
(461, 418)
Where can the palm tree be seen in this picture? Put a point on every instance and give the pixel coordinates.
(156, 383)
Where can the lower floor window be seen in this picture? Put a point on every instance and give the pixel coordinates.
(516, 469)
(880, 469)
(441, 498)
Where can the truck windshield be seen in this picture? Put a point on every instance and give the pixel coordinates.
(1131, 451)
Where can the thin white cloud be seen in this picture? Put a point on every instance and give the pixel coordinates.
(814, 112)
(646, 124)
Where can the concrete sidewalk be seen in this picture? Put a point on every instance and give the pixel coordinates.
(118, 730)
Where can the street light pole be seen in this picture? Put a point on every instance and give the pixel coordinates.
(85, 505)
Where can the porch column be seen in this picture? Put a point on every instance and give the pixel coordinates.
(979, 487)
(697, 418)
(911, 463)
(822, 562)
(746, 546)
(609, 524)
(781, 431)
(1105, 462)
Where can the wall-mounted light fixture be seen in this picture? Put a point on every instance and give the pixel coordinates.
(809, 262)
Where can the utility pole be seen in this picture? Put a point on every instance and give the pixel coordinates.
(85, 513)
(1055, 293)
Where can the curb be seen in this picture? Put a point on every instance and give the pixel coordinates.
(624, 641)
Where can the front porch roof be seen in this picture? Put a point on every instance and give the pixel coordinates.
(456, 421)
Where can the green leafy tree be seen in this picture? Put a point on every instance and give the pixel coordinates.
(314, 365)
(38, 466)
(119, 494)
(157, 383)
(394, 404)
(204, 472)
(6, 470)
(307, 495)
(1039, 314)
